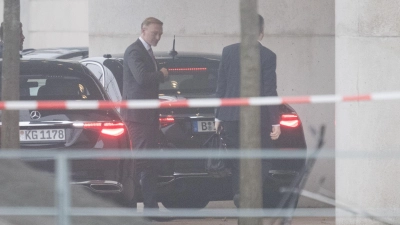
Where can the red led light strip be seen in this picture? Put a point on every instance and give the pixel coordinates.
(188, 69)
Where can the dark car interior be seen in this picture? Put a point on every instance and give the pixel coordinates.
(56, 87)
(61, 88)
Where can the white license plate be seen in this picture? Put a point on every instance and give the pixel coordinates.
(42, 135)
(203, 126)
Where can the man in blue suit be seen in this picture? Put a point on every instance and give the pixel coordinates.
(141, 79)
(228, 86)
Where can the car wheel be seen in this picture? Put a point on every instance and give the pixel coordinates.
(188, 200)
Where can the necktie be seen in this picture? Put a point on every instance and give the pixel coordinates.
(152, 57)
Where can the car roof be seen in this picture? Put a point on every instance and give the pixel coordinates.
(56, 53)
(41, 66)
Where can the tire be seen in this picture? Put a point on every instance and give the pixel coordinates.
(127, 198)
(191, 201)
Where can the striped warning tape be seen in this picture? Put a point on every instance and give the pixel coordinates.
(195, 103)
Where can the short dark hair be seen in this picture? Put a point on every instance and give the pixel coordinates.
(261, 23)
(1, 29)
(150, 20)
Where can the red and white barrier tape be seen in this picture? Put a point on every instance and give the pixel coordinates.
(195, 103)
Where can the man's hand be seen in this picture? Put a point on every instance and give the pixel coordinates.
(217, 124)
(276, 131)
(165, 73)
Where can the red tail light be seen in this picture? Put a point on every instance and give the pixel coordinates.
(113, 129)
(290, 120)
(187, 69)
(165, 121)
(107, 128)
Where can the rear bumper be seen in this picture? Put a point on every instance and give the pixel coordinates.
(216, 189)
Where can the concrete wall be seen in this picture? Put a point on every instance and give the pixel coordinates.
(300, 32)
(54, 23)
(367, 60)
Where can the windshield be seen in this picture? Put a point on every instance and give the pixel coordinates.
(190, 80)
(44, 87)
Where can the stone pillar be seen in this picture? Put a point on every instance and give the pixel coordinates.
(367, 60)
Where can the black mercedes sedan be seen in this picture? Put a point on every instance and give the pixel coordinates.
(185, 183)
(74, 130)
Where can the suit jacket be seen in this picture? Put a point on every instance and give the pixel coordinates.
(228, 85)
(140, 81)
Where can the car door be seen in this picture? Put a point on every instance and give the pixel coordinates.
(106, 78)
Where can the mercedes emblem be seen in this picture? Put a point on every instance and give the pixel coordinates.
(35, 115)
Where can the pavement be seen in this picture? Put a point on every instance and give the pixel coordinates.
(234, 221)
(22, 186)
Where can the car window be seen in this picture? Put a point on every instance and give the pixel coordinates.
(96, 70)
(115, 66)
(109, 81)
(42, 87)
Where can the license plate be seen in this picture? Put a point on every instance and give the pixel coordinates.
(203, 126)
(42, 135)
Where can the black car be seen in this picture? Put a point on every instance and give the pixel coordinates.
(185, 183)
(72, 130)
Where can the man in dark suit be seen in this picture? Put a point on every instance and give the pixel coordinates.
(141, 79)
(228, 86)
